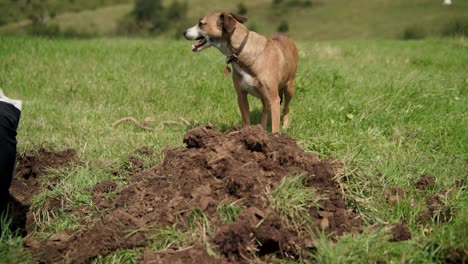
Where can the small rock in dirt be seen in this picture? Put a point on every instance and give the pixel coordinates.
(324, 224)
(205, 202)
(203, 190)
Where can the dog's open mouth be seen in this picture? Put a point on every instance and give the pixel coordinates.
(199, 44)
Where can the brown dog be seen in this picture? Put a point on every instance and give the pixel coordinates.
(263, 67)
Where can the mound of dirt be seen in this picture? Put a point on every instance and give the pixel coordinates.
(241, 166)
(425, 182)
(30, 167)
(400, 232)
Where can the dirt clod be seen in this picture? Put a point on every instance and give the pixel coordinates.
(105, 186)
(394, 195)
(400, 232)
(435, 210)
(425, 182)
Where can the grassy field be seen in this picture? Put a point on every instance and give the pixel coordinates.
(391, 110)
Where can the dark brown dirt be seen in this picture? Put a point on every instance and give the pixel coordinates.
(394, 195)
(400, 232)
(30, 168)
(425, 182)
(456, 255)
(435, 210)
(192, 254)
(101, 192)
(239, 165)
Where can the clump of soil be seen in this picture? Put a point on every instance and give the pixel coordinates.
(30, 167)
(393, 195)
(214, 168)
(425, 182)
(400, 232)
(101, 192)
(191, 254)
(435, 209)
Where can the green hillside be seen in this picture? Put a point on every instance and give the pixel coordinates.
(336, 19)
(331, 19)
(17, 10)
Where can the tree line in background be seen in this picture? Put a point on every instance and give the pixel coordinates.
(17, 10)
(147, 18)
(152, 18)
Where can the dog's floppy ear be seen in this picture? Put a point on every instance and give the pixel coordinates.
(239, 18)
(227, 22)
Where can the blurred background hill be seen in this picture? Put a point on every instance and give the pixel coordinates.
(302, 19)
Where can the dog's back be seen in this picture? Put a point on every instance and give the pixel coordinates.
(289, 49)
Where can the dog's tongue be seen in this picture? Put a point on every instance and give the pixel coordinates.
(197, 45)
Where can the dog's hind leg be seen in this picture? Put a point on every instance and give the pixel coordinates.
(288, 94)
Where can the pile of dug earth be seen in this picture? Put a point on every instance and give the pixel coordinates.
(239, 171)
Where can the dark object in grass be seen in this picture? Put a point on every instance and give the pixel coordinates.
(400, 232)
(425, 182)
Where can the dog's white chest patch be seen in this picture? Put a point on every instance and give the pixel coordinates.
(248, 83)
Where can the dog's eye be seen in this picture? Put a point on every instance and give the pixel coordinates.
(200, 23)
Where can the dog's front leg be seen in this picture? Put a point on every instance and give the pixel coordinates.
(243, 106)
(241, 98)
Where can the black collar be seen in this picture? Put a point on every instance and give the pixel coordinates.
(233, 57)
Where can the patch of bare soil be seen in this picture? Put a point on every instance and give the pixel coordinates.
(435, 210)
(30, 167)
(241, 165)
(425, 182)
(400, 232)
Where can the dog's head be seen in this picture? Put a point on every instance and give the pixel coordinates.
(213, 29)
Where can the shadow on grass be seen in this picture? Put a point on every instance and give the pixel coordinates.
(255, 117)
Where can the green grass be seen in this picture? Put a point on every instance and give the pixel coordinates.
(391, 110)
(292, 200)
(228, 212)
(10, 244)
(127, 256)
